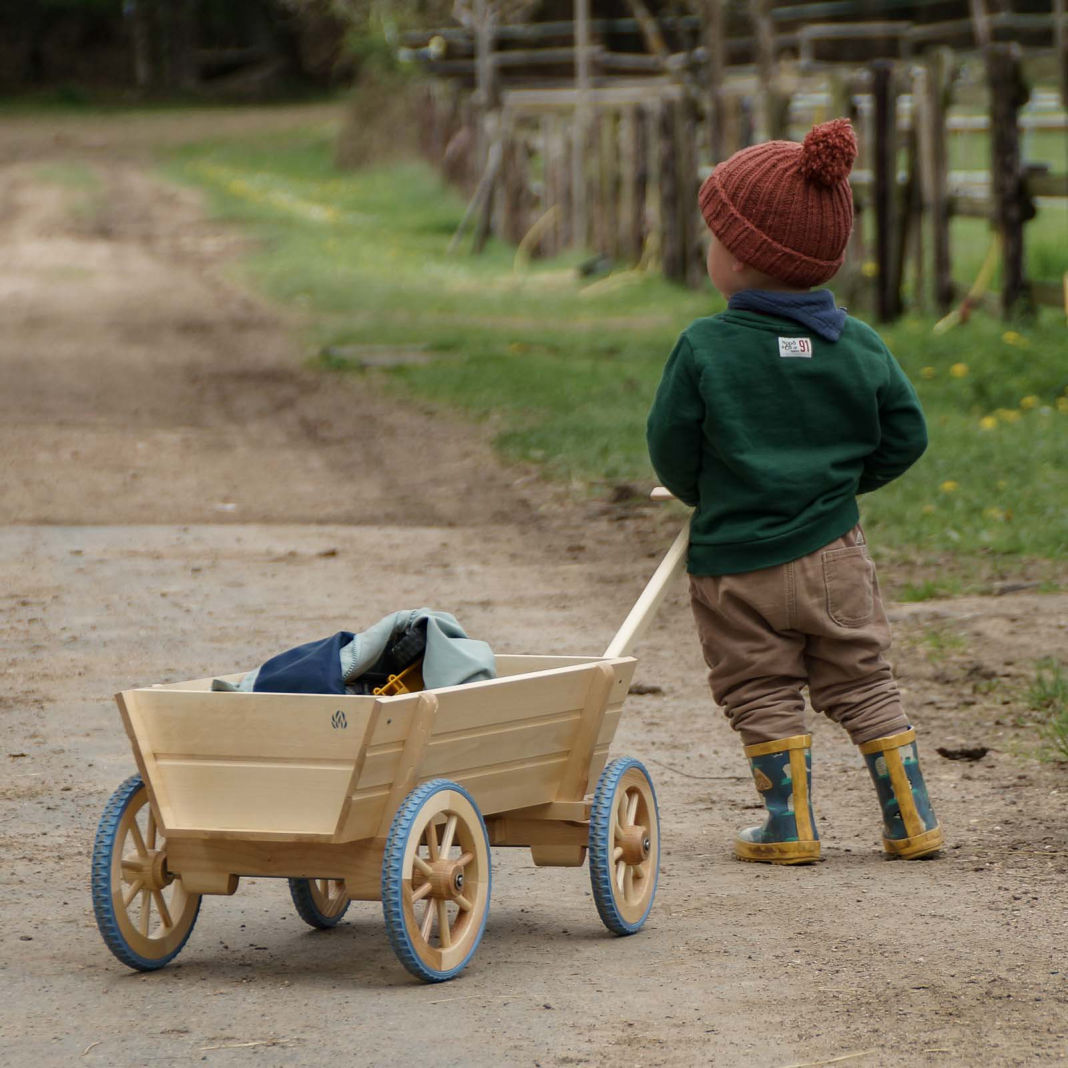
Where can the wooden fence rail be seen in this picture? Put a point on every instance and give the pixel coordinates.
(623, 181)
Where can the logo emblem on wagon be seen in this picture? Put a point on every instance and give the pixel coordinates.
(338, 720)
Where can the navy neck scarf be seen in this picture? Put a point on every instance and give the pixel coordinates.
(815, 309)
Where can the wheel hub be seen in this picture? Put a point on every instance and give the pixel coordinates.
(446, 880)
(636, 845)
(150, 869)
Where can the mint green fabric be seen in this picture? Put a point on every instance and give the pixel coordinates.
(770, 440)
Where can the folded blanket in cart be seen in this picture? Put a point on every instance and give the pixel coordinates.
(352, 663)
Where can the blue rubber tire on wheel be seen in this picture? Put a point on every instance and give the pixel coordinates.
(624, 845)
(436, 880)
(319, 902)
(144, 913)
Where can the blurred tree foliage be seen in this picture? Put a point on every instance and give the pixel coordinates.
(168, 45)
(374, 26)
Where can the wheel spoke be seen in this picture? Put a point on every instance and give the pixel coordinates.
(465, 905)
(448, 834)
(151, 834)
(465, 860)
(146, 911)
(422, 865)
(444, 931)
(135, 888)
(418, 895)
(161, 907)
(632, 808)
(628, 884)
(428, 921)
(430, 836)
(139, 842)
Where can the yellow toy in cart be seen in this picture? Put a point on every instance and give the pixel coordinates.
(396, 796)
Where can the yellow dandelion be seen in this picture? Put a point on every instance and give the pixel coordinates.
(1062, 404)
(949, 486)
(959, 370)
(1011, 337)
(1028, 402)
(994, 513)
(928, 373)
(988, 422)
(870, 269)
(1010, 415)
(928, 509)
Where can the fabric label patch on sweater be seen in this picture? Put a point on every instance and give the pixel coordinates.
(796, 346)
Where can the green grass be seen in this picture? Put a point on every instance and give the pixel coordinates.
(563, 371)
(1048, 696)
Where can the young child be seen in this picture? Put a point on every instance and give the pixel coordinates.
(769, 419)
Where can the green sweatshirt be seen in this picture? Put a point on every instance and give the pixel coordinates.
(770, 431)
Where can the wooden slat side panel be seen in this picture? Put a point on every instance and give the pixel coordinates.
(503, 786)
(310, 726)
(253, 797)
(364, 814)
(485, 704)
(453, 755)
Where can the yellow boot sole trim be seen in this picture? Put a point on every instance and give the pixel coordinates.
(919, 845)
(777, 852)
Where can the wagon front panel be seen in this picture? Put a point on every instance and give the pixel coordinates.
(246, 764)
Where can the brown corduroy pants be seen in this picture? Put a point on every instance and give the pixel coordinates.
(817, 620)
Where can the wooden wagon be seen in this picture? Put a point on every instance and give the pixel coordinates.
(392, 798)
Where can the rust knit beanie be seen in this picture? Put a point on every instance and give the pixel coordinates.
(786, 208)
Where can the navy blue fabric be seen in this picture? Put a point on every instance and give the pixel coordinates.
(815, 309)
(314, 667)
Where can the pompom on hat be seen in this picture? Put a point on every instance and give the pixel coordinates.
(786, 208)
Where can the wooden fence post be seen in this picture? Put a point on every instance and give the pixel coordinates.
(773, 104)
(887, 237)
(930, 112)
(689, 217)
(631, 184)
(672, 245)
(579, 222)
(1060, 45)
(1008, 93)
(715, 41)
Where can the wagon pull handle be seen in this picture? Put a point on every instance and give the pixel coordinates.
(641, 615)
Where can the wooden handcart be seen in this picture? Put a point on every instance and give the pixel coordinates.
(392, 798)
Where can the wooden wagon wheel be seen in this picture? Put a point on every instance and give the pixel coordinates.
(624, 845)
(436, 880)
(319, 902)
(144, 913)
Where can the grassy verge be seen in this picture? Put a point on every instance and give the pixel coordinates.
(563, 370)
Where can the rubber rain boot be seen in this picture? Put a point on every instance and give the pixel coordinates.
(910, 828)
(782, 771)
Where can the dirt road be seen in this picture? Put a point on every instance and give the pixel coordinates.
(181, 498)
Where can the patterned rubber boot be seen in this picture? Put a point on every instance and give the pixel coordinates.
(783, 774)
(910, 828)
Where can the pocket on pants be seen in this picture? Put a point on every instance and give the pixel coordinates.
(849, 577)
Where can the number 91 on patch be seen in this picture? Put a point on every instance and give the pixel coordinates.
(795, 347)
